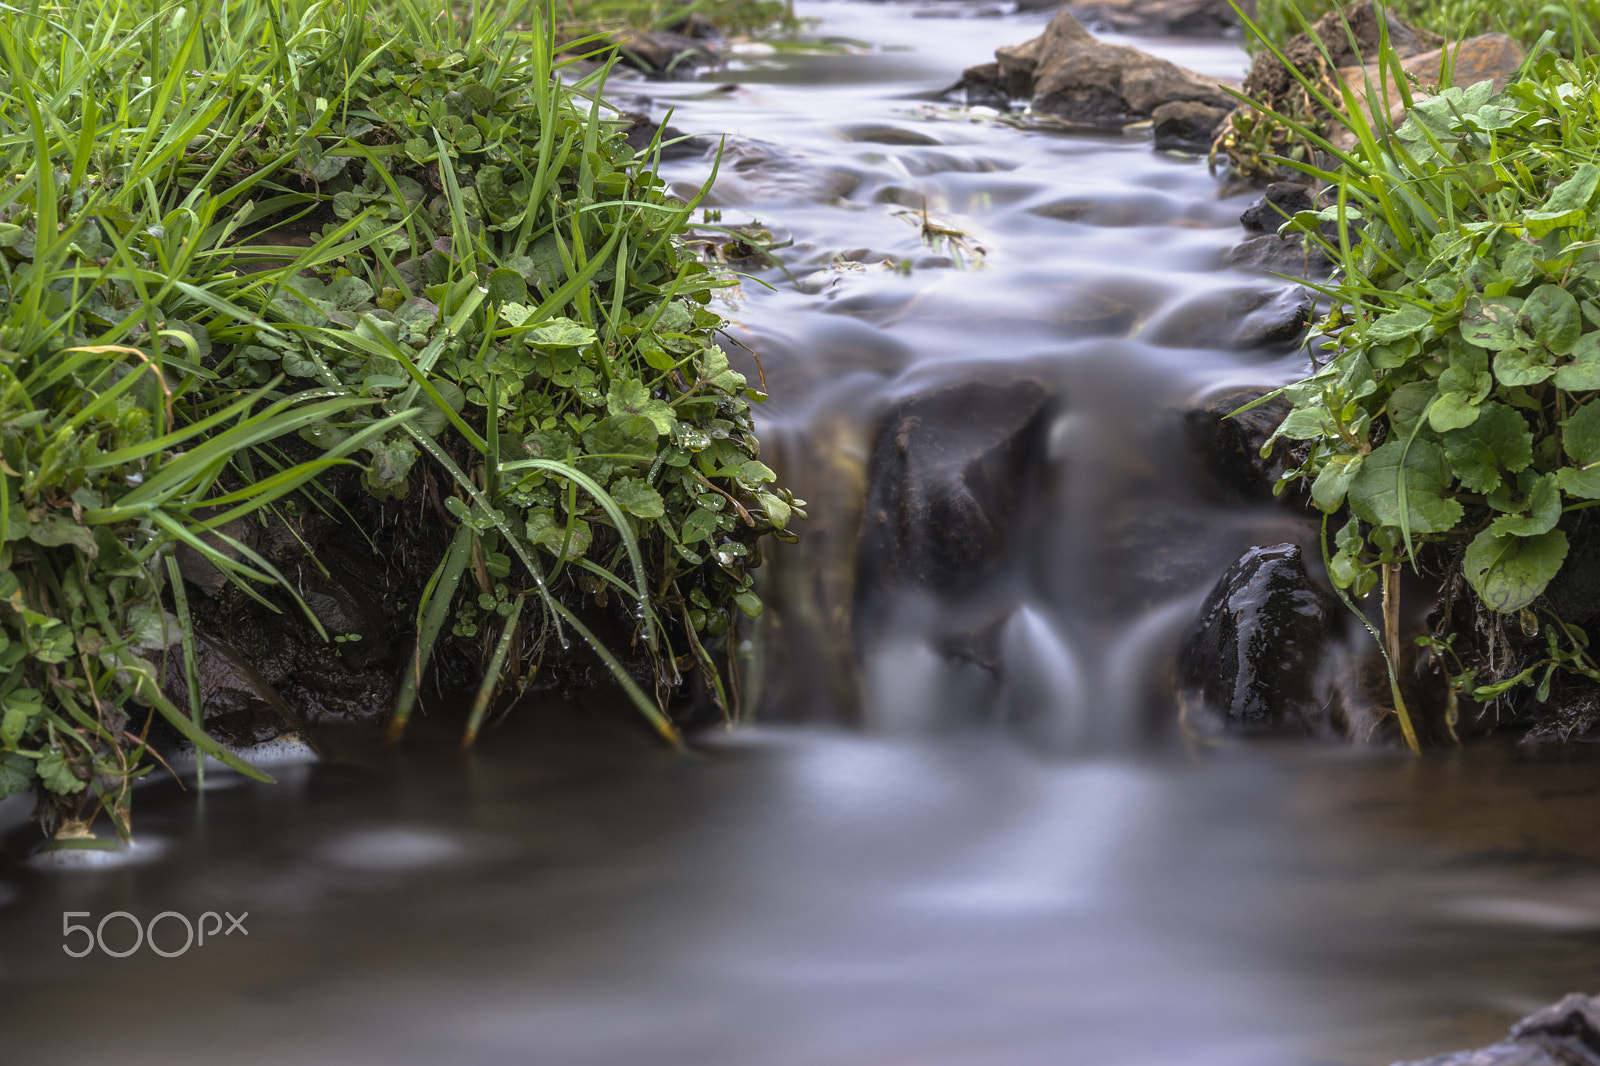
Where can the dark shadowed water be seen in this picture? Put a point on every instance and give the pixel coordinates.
(983, 868)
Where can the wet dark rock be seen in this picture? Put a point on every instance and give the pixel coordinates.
(1186, 126)
(1251, 664)
(947, 482)
(240, 706)
(1272, 254)
(696, 26)
(1228, 445)
(201, 572)
(641, 134)
(1068, 74)
(664, 54)
(1237, 319)
(1566, 1034)
(991, 85)
(1574, 593)
(1281, 201)
(1182, 17)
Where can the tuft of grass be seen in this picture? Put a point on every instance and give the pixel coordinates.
(245, 245)
(1526, 21)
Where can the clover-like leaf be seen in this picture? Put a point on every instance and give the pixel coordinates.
(638, 497)
(1550, 314)
(1567, 204)
(55, 773)
(1583, 373)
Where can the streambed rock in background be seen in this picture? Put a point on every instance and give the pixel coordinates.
(1068, 74)
(1179, 17)
(1253, 663)
(664, 54)
(1187, 126)
(1565, 1034)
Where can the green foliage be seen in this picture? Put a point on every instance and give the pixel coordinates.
(1524, 20)
(1461, 402)
(367, 235)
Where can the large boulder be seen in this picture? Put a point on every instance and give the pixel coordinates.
(1253, 662)
(1566, 1034)
(947, 483)
(1068, 74)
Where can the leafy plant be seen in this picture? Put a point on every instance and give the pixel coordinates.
(243, 245)
(1459, 412)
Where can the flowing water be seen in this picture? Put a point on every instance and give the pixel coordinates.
(924, 855)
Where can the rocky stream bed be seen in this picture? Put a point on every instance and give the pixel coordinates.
(1063, 751)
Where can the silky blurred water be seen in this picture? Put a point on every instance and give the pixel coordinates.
(908, 860)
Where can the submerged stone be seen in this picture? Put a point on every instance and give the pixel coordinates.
(1252, 662)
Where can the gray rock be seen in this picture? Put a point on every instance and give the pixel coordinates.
(1186, 126)
(1272, 254)
(1566, 1034)
(1282, 200)
(1069, 74)
(1251, 664)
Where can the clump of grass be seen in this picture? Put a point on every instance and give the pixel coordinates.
(1526, 21)
(1456, 421)
(243, 244)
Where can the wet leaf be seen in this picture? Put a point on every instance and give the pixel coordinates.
(1498, 439)
(1510, 572)
(16, 775)
(1542, 510)
(1568, 202)
(1425, 474)
(55, 773)
(637, 497)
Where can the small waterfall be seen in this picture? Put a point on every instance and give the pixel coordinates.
(1042, 691)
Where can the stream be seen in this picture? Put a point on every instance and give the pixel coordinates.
(964, 828)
